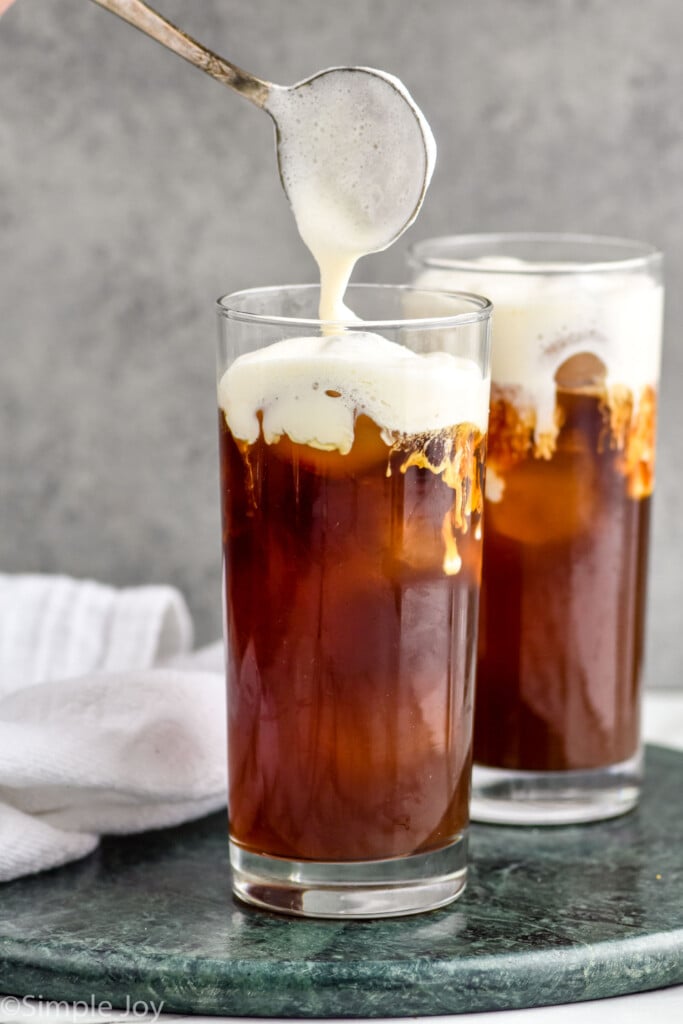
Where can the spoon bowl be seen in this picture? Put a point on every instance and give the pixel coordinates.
(338, 135)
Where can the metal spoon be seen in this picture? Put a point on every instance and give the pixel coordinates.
(152, 24)
(257, 91)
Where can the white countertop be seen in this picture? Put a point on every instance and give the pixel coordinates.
(664, 1006)
(663, 723)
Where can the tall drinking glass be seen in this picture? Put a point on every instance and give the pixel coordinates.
(352, 460)
(575, 366)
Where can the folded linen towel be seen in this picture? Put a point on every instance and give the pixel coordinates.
(93, 738)
(54, 627)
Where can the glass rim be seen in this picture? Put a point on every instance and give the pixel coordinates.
(481, 311)
(636, 254)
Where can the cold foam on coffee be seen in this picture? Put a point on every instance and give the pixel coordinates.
(312, 390)
(542, 321)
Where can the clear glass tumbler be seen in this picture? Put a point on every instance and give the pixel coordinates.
(575, 366)
(352, 461)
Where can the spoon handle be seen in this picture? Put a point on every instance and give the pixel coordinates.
(137, 13)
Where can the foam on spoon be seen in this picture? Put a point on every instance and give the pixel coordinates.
(356, 155)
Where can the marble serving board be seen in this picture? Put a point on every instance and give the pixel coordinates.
(549, 916)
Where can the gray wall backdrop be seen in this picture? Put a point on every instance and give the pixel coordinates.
(133, 190)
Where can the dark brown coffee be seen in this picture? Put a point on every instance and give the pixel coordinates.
(350, 601)
(563, 592)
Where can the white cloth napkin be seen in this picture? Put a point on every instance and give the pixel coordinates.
(107, 724)
(663, 717)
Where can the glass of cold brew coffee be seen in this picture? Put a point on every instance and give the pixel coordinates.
(575, 365)
(352, 461)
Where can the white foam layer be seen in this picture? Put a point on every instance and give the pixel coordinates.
(312, 389)
(355, 153)
(541, 321)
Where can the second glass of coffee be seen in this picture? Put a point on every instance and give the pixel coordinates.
(352, 459)
(575, 364)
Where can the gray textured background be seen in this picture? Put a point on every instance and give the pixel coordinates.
(133, 190)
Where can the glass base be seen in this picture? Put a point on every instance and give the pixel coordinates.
(377, 888)
(503, 797)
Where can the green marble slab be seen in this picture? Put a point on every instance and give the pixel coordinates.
(550, 916)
